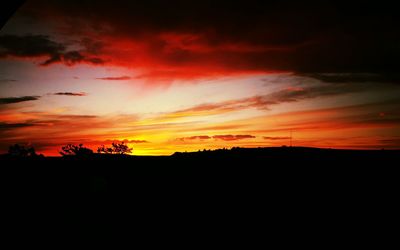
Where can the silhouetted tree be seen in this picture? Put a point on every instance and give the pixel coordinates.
(103, 150)
(121, 148)
(75, 150)
(21, 151)
(116, 148)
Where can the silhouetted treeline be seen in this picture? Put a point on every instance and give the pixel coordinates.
(75, 150)
(70, 150)
(116, 148)
(22, 151)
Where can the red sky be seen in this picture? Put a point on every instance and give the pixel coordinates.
(168, 76)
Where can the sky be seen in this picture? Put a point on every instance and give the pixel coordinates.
(167, 76)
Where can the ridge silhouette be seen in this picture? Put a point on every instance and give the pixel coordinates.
(96, 196)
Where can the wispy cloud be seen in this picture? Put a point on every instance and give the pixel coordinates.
(264, 102)
(216, 137)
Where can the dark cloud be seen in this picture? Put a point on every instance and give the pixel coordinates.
(10, 126)
(10, 100)
(71, 93)
(232, 137)
(114, 78)
(29, 46)
(7, 128)
(71, 58)
(300, 36)
(93, 47)
(36, 46)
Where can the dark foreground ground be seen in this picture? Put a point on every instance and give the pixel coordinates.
(96, 196)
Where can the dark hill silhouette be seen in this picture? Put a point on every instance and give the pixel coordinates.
(99, 195)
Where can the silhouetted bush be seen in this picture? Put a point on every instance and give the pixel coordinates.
(75, 150)
(103, 150)
(21, 151)
(116, 148)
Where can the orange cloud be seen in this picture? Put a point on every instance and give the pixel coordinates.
(329, 127)
(233, 137)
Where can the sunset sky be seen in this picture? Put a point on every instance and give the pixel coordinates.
(168, 76)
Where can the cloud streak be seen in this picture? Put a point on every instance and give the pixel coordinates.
(8, 126)
(216, 137)
(286, 95)
(233, 137)
(71, 93)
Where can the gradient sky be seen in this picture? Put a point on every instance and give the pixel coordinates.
(168, 76)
